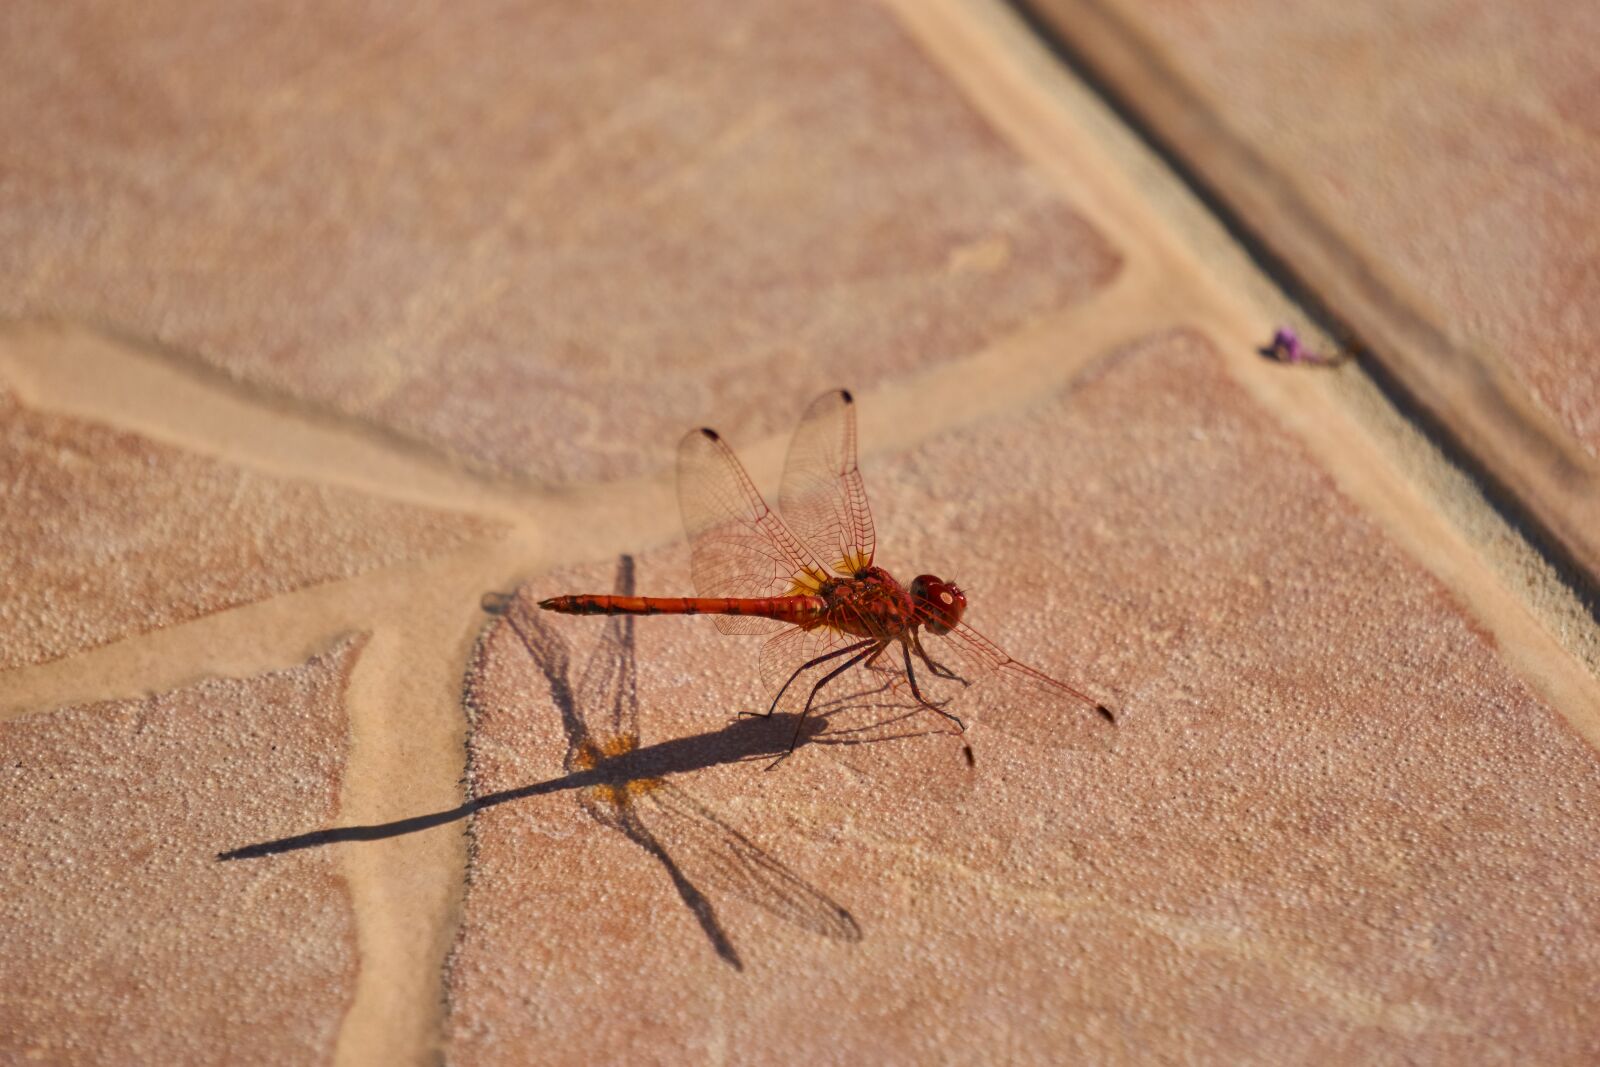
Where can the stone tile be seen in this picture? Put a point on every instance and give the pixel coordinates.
(107, 533)
(1332, 825)
(1431, 173)
(125, 940)
(511, 230)
(1458, 140)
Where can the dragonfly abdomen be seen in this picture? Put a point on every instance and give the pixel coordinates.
(795, 609)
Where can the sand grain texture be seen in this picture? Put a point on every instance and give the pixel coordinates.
(124, 939)
(106, 533)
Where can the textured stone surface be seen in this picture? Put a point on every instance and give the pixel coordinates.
(1459, 141)
(488, 228)
(124, 940)
(1428, 178)
(1455, 144)
(106, 533)
(1333, 824)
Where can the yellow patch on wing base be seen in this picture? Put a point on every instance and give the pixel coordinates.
(854, 563)
(807, 583)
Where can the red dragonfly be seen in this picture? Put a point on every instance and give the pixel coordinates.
(761, 574)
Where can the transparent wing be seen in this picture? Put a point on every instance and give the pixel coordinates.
(714, 854)
(738, 547)
(607, 698)
(822, 496)
(971, 677)
(785, 653)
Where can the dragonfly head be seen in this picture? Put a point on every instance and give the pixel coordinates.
(939, 603)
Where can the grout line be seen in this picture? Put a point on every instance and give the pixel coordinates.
(406, 751)
(407, 755)
(71, 370)
(1263, 258)
(1365, 470)
(244, 640)
(88, 373)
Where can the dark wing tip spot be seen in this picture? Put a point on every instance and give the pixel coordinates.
(709, 432)
(844, 394)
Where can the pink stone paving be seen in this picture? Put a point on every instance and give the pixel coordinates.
(1346, 814)
(106, 533)
(471, 228)
(1458, 142)
(124, 940)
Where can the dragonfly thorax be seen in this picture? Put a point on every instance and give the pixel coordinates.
(869, 603)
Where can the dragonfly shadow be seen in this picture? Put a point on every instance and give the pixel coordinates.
(740, 740)
(628, 787)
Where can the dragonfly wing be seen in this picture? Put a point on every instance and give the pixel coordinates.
(784, 654)
(974, 678)
(822, 496)
(710, 853)
(738, 547)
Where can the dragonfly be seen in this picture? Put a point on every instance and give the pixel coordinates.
(805, 578)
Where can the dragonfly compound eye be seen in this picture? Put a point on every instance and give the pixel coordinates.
(939, 602)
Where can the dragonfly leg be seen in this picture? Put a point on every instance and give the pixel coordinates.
(939, 669)
(824, 680)
(911, 676)
(806, 666)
